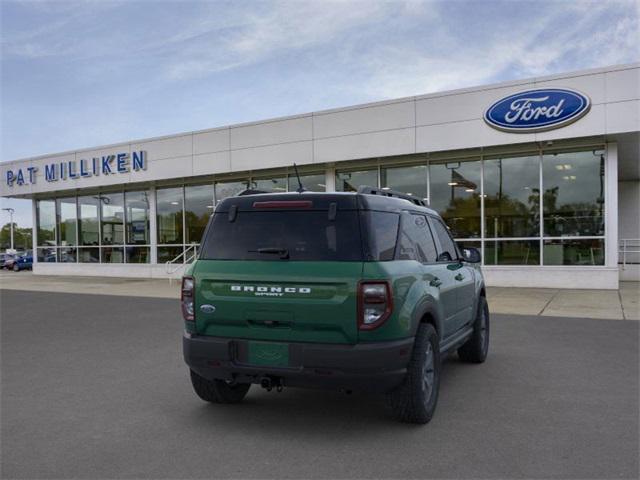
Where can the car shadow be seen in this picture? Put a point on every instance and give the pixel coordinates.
(309, 411)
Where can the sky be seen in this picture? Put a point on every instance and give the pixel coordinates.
(87, 73)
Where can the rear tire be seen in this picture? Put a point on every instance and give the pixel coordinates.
(415, 400)
(218, 391)
(16, 268)
(475, 350)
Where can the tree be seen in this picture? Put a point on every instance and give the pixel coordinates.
(21, 237)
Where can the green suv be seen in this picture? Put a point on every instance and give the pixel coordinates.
(351, 291)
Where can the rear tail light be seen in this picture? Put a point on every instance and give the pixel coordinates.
(375, 304)
(187, 298)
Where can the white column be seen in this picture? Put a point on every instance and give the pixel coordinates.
(153, 234)
(34, 231)
(330, 178)
(611, 205)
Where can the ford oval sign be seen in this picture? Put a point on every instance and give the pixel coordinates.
(537, 110)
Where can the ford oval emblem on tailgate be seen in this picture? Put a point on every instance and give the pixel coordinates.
(206, 308)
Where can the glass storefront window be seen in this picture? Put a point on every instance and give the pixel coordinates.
(67, 221)
(169, 208)
(137, 218)
(47, 254)
(46, 218)
(350, 181)
(455, 195)
(410, 180)
(512, 197)
(198, 207)
(89, 255)
(112, 255)
(112, 218)
(67, 255)
(276, 185)
(88, 227)
(573, 198)
(574, 252)
(512, 252)
(166, 254)
(229, 189)
(311, 183)
(137, 254)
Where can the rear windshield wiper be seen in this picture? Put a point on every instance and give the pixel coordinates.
(283, 252)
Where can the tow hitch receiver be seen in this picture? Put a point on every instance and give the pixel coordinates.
(269, 383)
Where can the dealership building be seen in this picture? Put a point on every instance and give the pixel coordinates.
(541, 174)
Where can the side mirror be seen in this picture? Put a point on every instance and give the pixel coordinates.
(471, 255)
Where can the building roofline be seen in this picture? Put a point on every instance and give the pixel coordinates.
(444, 93)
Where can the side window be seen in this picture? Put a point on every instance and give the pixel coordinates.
(448, 251)
(383, 232)
(413, 244)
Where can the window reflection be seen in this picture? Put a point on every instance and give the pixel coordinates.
(46, 218)
(311, 183)
(89, 255)
(351, 181)
(455, 195)
(410, 180)
(574, 252)
(197, 210)
(112, 219)
(169, 207)
(512, 197)
(278, 184)
(137, 218)
(229, 189)
(512, 252)
(67, 213)
(573, 198)
(88, 220)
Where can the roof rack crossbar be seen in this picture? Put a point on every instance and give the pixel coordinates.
(391, 193)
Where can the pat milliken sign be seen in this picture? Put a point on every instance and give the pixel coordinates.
(537, 110)
(117, 163)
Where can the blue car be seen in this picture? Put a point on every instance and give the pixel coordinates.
(23, 262)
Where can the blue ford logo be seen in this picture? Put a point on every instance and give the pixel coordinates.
(537, 110)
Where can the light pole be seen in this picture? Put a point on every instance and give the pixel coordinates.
(11, 212)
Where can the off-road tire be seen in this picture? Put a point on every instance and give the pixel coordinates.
(414, 401)
(475, 349)
(218, 391)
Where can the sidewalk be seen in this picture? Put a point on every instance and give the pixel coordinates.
(623, 304)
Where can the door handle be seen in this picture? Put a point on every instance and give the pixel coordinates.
(435, 282)
(459, 277)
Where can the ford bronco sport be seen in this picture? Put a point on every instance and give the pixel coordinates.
(351, 291)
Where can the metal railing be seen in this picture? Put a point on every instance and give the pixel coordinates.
(629, 248)
(181, 261)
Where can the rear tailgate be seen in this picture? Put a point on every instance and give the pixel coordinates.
(299, 301)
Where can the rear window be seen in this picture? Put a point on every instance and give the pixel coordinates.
(284, 235)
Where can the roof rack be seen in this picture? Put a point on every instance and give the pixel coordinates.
(249, 191)
(391, 193)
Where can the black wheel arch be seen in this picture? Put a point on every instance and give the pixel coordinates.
(427, 313)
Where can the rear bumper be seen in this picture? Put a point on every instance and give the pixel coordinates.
(377, 367)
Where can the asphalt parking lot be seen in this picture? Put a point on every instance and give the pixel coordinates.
(95, 387)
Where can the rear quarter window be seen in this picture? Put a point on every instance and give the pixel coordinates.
(381, 235)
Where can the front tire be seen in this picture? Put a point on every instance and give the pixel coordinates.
(16, 268)
(415, 400)
(218, 391)
(475, 349)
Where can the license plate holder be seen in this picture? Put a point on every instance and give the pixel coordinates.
(268, 354)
